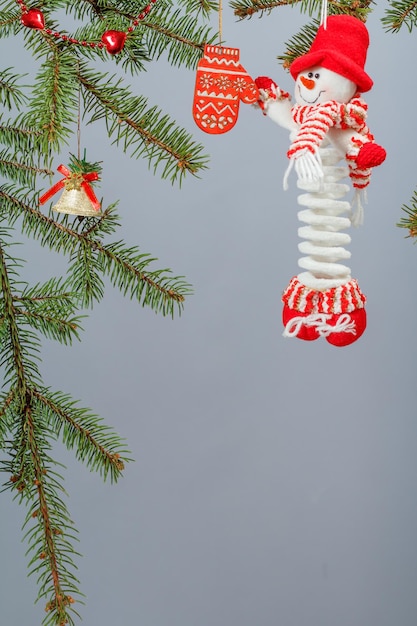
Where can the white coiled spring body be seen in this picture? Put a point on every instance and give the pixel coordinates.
(325, 215)
(324, 300)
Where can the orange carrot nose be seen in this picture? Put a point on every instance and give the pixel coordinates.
(307, 82)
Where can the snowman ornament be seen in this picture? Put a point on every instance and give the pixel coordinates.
(327, 124)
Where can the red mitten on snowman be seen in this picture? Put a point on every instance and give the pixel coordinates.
(328, 81)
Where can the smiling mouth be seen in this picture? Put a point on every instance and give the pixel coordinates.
(309, 101)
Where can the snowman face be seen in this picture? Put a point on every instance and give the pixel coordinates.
(318, 84)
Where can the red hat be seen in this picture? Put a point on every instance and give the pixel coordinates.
(340, 47)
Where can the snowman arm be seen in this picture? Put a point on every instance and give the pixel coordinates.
(279, 111)
(315, 123)
(342, 139)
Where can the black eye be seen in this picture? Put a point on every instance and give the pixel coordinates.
(317, 76)
(310, 74)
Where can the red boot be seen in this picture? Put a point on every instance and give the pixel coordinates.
(354, 327)
(295, 327)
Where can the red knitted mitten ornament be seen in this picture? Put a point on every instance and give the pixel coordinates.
(221, 83)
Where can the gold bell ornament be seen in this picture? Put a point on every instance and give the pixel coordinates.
(78, 197)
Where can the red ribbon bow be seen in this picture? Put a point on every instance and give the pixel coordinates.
(86, 179)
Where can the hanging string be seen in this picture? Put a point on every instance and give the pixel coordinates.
(324, 11)
(79, 122)
(220, 22)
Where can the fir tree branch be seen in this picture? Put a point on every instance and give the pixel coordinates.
(58, 605)
(35, 223)
(172, 33)
(31, 416)
(410, 220)
(8, 167)
(204, 6)
(102, 9)
(49, 526)
(105, 224)
(59, 329)
(131, 11)
(299, 44)
(22, 172)
(19, 347)
(9, 19)
(10, 93)
(96, 444)
(94, 7)
(13, 330)
(176, 34)
(22, 139)
(399, 14)
(146, 131)
(6, 401)
(247, 8)
(126, 267)
(54, 103)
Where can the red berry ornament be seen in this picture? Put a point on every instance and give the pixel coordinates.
(33, 19)
(114, 40)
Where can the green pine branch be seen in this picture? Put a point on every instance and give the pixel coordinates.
(49, 531)
(247, 8)
(298, 44)
(203, 7)
(91, 260)
(9, 19)
(409, 220)
(11, 95)
(22, 140)
(5, 404)
(39, 115)
(139, 130)
(95, 444)
(50, 309)
(19, 349)
(177, 35)
(54, 100)
(400, 13)
(22, 172)
(31, 416)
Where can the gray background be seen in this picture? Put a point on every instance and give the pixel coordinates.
(275, 480)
